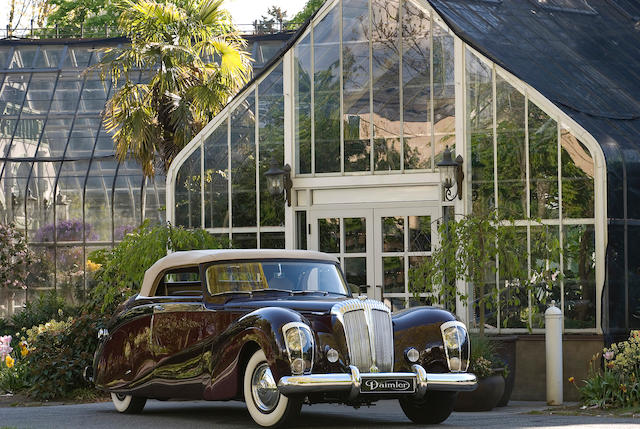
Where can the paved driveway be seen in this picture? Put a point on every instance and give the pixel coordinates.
(199, 414)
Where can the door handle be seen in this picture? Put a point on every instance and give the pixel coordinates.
(158, 307)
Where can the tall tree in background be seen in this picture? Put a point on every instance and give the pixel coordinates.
(199, 63)
(309, 9)
(72, 13)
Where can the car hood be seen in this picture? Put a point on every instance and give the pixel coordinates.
(299, 303)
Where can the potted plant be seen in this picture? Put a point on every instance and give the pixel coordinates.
(469, 248)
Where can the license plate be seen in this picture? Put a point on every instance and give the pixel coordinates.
(387, 385)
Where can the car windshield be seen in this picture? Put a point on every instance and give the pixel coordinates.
(294, 276)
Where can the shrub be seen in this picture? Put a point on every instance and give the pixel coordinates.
(616, 383)
(59, 352)
(15, 258)
(122, 269)
(48, 306)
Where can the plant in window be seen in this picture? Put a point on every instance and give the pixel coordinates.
(15, 258)
(468, 251)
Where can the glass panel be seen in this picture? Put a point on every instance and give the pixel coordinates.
(393, 274)
(416, 84)
(301, 230)
(42, 272)
(5, 52)
(98, 202)
(326, 56)
(94, 94)
(244, 241)
(480, 132)
(65, 99)
(386, 85)
(543, 164)
(393, 234)
(216, 173)
(39, 94)
(126, 198)
(68, 201)
(49, 57)
(397, 304)
(13, 93)
(355, 66)
(329, 235)
(54, 138)
(14, 184)
(243, 164)
(26, 137)
(355, 235)
(577, 178)
(23, 57)
(271, 132)
(70, 273)
(443, 91)
(545, 258)
(187, 192)
(83, 137)
(41, 184)
(511, 156)
(155, 199)
(272, 240)
(579, 276)
(514, 314)
(355, 270)
(419, 233)
(302, 102)
(77, 57)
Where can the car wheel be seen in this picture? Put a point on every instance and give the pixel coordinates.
(128, 404)
(266, 405)
(434, 408)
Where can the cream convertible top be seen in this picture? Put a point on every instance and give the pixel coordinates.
(196, 257)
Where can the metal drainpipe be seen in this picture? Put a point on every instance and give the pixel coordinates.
(553, 345)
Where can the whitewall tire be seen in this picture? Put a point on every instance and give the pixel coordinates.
(128, 404)
(266, 405)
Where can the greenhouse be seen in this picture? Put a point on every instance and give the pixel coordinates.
(59, 180)
(362, 106)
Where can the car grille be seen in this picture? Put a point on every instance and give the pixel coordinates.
(369, 333)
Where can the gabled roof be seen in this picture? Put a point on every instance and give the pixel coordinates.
(583, 55)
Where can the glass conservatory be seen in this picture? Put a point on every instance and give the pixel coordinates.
(362, 106)
(59, 180)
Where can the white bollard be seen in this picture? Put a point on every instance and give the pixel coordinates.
(553, 343)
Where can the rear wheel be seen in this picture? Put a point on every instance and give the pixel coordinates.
(128, 404)
(434, 408)
(266, 405)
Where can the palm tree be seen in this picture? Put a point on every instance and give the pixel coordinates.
(198, 62)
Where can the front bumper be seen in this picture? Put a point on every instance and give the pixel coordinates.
(314, 383)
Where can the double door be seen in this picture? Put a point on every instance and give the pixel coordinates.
(377, 247)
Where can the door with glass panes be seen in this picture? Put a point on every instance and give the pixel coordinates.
(377, 247)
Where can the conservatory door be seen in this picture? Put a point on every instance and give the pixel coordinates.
(377, 246)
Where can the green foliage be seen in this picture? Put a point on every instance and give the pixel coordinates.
(309, 9)
(484, 358)
(13, 379)
(58, 355)
(91, 13)
(199, 63)
(48, 306)
(468, 251)
(15, 258)
(123, 267)
(617, 384)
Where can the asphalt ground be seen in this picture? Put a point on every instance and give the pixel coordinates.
(201, 414)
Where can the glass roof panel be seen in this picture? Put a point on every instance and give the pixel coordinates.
(13, 92)
(23, 57)
(49, 57)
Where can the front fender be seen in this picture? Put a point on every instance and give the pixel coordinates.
(228, 353)
(419, 327)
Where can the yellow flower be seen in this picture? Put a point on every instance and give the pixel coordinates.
(24, 351)
(623, 388)
(92, 266)
(9, 361)
(571, 379)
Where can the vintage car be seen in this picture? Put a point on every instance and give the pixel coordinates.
(276, 329)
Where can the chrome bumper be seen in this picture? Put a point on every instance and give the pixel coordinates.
(313, 383)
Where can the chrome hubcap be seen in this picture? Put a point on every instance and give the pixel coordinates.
(263, 389)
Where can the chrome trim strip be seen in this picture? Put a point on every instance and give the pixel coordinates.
(313, 383)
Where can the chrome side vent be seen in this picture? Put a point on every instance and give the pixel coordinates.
(369, 333)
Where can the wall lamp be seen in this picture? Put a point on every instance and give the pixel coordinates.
(450, 173)
(279, 180)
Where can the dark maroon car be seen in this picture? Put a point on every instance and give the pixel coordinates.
(276, 328)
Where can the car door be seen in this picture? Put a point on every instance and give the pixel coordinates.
(178, 328)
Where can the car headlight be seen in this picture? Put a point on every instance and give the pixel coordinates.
(456, 345)
(299, 342)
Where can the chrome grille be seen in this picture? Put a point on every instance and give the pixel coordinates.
(369, 333)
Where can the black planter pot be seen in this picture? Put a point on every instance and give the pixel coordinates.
(484, 398)
(506, 349)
